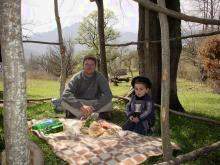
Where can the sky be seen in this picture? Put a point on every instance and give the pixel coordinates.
(38, 15)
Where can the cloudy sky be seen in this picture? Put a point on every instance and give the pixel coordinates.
(38, 15)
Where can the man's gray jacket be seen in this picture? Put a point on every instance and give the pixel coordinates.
(95, 87)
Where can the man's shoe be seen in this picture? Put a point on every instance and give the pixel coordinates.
(69, 115)
(105, 115)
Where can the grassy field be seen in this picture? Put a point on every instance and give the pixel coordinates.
(197, 99)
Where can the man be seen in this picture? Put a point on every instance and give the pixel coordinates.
(87, 92)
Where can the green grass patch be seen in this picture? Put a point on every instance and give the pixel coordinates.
(189, 134)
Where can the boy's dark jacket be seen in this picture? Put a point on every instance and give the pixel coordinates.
(147, 115)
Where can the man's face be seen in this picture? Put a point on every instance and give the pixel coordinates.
(89, 67)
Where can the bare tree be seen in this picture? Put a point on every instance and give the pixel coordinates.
(62, 49)
(51, 60)
(210, 9)
(15, 121)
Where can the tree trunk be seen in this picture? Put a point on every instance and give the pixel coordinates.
(165, 84)
(102, 38)
(63, 74)
(147, 38)
(15, 121)
(175, 50)
(153, 65)
(153, 60)
(140, 46)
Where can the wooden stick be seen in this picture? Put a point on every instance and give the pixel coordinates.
(38, 100)
(152, 6)
(120, 97)
(208, 121)
(193, 154)
(171, 39)
(33, 100)
(41, 42)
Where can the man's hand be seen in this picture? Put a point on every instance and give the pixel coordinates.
(86, 110)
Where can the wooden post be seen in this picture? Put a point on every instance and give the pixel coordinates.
(165, 84)
(63, 75)
(101, 31)
(152, 6)
(14, 75)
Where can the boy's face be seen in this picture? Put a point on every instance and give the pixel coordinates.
(140, 89)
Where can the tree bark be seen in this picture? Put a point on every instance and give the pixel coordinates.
(141, 37)
(146, 37)
(14, 74)
(103, 64)
(153, 65)
(165, 84)
(63, 75)
(153, 60)
(175, 49)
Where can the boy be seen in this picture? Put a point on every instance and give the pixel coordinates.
(140, 109)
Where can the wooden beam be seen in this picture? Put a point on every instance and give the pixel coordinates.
(41, 42)
(34, 100)
(171, 39)
(165, 84)
(199, 118)
(193, 154)
(208, 121)
(152, 6)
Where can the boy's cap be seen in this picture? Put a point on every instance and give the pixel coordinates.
(141, 79)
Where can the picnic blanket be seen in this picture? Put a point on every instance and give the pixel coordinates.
(125, 148)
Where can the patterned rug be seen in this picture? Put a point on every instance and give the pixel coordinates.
(126, 148)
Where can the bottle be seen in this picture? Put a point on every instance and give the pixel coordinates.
(49, 126)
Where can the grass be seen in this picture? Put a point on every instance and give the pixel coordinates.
(197, 99)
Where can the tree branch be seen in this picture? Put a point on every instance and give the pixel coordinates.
(171, 39)
(41, 42)
(152, 6)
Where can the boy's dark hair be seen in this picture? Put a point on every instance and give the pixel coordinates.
(89, 57)
(143, 80)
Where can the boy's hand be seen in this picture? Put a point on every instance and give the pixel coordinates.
(131, 118)
(136, 119)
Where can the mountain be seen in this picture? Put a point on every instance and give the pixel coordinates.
(68, 32)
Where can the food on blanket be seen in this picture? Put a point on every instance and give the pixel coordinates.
(48, 126)
(110, 132)
(99, 128)
(95, 129)
(84, 130)
(104, 124)
(89, 120)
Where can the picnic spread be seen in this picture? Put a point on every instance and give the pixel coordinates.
(99, 142)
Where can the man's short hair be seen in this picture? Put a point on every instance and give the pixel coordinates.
(89, 57)
(143, 80)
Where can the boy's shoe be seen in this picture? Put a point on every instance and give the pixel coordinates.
(105, 115)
